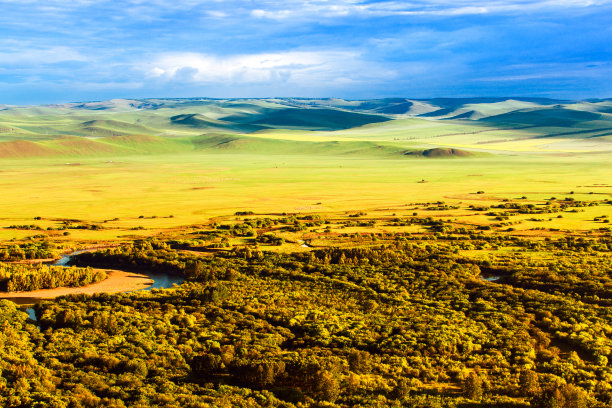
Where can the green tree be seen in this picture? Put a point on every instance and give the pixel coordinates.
(360, 361)
(328, 388)
(529, 384)
(472, 387)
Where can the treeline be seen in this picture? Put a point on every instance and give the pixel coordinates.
(154, 256)
(27, 277)
(29, 250)
(407, 323)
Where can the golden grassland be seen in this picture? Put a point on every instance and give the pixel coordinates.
(145, 195)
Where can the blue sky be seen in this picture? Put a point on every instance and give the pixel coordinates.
(82, 50)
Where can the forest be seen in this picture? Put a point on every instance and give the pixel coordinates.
(398, 320)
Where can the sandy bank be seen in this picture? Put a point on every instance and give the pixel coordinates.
(117, 281)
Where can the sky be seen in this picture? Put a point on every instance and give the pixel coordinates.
(56, 51)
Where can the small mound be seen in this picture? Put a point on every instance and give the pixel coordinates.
(440, 152)
(446, 152)
(232, 144)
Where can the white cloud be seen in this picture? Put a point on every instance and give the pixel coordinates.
(271, 14)
(152, 10)
(289, 67)
(41, 56)
(217, 14)
(526, 72)
(301, 9)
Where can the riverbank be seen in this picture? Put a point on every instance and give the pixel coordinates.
(117, 281)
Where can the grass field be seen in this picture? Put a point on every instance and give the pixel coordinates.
(139, 168)
(192, 188)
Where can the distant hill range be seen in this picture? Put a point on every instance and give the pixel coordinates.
(403, 127)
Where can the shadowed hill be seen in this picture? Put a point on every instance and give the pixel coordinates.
(194, 120)
(308, 118)
(396, 109)
(439, 112)
(476, 109)
(465, 115)
(198, 121)
(558, 117)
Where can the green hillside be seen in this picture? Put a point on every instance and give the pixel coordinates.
(297, 126)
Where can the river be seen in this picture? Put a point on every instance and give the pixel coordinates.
(155, 281)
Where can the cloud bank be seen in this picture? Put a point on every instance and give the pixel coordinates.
(56, 50)
(303, 67)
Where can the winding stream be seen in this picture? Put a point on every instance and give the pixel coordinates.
(160, 280)
(157, 281)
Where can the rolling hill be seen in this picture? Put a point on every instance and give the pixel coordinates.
(392, 126)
